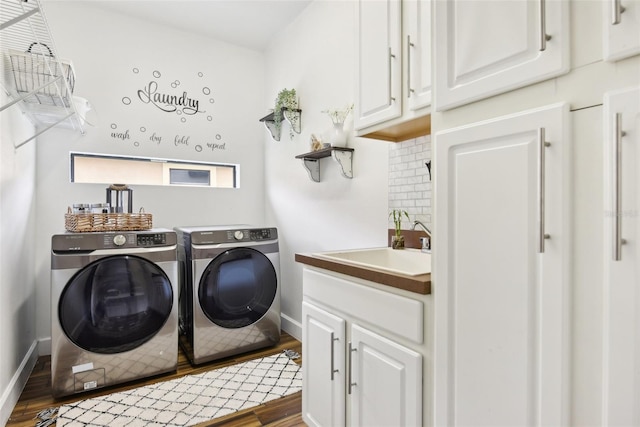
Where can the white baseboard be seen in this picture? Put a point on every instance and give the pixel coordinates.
(44, 346)
(291, 326)
(12, 393)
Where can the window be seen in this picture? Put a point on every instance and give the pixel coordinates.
(190, 176)
(109, 169)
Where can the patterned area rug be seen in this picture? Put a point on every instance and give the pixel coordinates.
(191, 399)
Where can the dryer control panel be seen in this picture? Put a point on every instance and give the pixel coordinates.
(235, 235)
(250, 235)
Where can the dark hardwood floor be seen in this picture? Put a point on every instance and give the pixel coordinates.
(284, 412)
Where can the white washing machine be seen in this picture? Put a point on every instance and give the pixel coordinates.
(114, 308)
(230, 292)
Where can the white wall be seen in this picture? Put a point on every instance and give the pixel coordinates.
(115, 56)
(18, 351)
(315, 55)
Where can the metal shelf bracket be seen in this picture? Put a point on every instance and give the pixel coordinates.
(313, 168)
(345, 160)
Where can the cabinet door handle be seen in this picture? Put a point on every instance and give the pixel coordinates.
(391, 58)
(350, 367)
(544, 37)
(542, 144)
(333, 367)
(616, 12)
(409, 46)
(617, 184)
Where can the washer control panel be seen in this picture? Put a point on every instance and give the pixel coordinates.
(152, 239)
(86, 242)
(261, 234)
(137, 239)
(119, 240)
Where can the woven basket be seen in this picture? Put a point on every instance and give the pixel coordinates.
(38, 70)
(90, 222)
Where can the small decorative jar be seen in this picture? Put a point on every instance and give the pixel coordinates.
(80, 208)
(100, 208)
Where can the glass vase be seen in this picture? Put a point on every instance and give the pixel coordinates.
(397, 242)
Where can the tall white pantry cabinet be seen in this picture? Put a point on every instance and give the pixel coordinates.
(621, 296)
(536, 207)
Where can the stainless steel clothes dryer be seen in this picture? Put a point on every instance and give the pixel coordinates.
(114, 308)
(230, 293)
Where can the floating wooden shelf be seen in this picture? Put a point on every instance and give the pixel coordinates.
(344, 157)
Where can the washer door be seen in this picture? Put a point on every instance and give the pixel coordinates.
(115, 304)
(237, 288)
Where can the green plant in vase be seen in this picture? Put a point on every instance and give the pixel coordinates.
(397, 240)
(286, 99)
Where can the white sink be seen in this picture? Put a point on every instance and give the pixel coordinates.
(411, 262)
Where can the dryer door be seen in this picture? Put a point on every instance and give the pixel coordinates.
(115, 304)
(237, 288)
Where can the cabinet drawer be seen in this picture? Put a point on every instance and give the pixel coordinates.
(394, 313)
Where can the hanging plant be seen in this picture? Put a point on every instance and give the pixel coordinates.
(286, 99)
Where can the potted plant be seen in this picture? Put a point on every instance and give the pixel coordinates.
(397, 240)
(286, 99)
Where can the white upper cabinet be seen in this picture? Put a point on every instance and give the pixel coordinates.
(621, 24)
(484, 48)
(379, 62)
(502, 271)
(621, 356)
(417, 20)
(393, 66)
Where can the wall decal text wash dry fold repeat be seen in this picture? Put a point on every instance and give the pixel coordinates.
(182, 104)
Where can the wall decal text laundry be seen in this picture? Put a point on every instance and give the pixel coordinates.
(168, 103)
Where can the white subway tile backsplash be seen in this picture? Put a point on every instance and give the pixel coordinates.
(409, 179)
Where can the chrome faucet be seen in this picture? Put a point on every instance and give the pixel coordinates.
(425, 241)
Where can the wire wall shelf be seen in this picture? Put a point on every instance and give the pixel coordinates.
(34, 78)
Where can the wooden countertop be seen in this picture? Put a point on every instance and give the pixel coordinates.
(419, 284)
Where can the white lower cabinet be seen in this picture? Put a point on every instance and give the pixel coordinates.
(502, 270)
(324, 367)
(385, 381)
(621, 296)
(353, 375)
